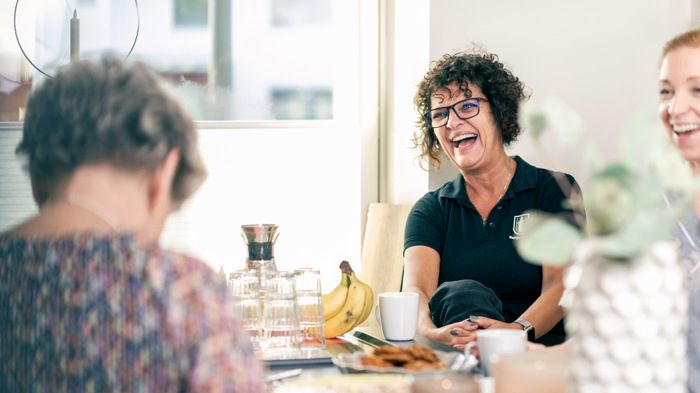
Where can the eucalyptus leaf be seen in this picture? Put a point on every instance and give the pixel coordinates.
(609, 203)
(674, 171)
(648, 191)
(641, 136)
(547, 239)
(592, 160)
(566, 122)
(643, 229)
(618, 172)
(533, 119)
(552, 115)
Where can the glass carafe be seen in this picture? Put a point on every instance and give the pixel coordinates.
(260, 239)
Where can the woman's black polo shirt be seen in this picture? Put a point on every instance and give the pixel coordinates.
(446, 221)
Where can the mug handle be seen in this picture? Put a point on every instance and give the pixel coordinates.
(468, 348)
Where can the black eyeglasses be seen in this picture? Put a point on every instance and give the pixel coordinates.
(464, 109)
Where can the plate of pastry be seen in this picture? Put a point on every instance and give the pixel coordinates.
(402, 360)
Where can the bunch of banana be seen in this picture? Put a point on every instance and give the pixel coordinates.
(347, 305)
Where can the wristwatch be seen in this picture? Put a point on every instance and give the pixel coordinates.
(528, 328)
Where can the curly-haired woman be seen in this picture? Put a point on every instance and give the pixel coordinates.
(89, 301)
(458, 249)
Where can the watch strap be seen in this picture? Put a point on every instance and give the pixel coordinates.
(528, 328)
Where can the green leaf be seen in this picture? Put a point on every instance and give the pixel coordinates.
(673, 169)
(552, 115)
(641, 136)
(609, 203)
(620, 173)
(642, 230)
(565, 122)
(547, 239)
(533, 119)
(649, 192)
(592, 160)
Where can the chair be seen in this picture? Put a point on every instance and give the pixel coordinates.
(381, 266)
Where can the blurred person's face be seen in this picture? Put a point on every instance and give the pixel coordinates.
(468, 143)
(679, 100)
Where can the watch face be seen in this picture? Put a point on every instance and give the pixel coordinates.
(526, 325)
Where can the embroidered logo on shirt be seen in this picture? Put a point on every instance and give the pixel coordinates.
(518, 222)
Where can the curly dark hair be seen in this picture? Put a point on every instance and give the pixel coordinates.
(504, 91)
(110, 112)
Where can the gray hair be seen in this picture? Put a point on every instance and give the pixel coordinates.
(107, 111)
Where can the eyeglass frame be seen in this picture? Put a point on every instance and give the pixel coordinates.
(428, 119)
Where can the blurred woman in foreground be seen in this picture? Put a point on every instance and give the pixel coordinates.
(89, 301)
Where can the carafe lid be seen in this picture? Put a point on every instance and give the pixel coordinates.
(259, 233)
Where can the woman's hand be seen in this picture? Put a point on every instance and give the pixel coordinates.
(488, 323)
(456, 334)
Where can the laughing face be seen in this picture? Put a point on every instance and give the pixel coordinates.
(679, 100)
(470, 144)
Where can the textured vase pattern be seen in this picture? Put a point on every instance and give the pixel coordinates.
(628, 320)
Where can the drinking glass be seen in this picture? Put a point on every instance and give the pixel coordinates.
(245, 288)
(308, 289)
(281, 335)
(531, 372)
(451, 382)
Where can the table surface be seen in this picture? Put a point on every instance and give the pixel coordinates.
(359, 339)
(365, 339)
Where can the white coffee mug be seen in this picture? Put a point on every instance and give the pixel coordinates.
(398, 313)
(494, 342)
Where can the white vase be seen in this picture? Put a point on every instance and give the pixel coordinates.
(628, 322)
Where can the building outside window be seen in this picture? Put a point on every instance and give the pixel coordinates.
(190, 13)
(300, 104)
(290, 13)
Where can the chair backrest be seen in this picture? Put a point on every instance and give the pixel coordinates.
(382, 249)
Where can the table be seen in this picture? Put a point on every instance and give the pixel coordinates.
(360, 339)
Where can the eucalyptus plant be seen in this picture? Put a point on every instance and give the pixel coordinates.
(625, 201)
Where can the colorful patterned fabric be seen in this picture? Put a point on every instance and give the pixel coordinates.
(99, 313)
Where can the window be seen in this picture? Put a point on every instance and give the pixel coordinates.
(300, 104)
(223, 71)
(286, 13)
(190, 12)
(281, 121)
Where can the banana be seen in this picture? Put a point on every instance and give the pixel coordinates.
(353, 307)
(333, 301)
(369, 304)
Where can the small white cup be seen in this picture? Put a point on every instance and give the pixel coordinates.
(399, 315)
(495, 342)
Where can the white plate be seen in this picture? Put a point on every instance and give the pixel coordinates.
(349, 363)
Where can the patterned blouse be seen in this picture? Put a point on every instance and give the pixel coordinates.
(98, 313)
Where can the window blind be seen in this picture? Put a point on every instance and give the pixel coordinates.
(16, 201)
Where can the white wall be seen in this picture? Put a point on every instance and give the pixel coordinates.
(407, 57)
(599, 56)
